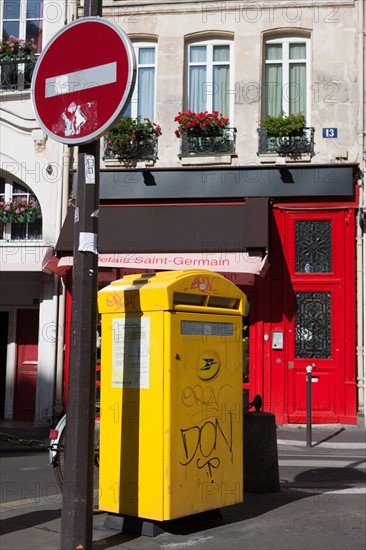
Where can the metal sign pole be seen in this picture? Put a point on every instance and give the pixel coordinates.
(77, 504)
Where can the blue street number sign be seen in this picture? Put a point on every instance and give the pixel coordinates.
(330, 132)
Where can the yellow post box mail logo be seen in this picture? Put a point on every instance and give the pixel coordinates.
(208, 365)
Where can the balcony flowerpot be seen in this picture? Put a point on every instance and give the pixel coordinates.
(205, 133)
(15, 60)
(16, 50)
(19, 210)
(132, 138)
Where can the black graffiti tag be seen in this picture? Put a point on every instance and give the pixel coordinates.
(200, 442)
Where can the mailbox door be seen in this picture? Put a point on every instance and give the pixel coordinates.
(131, 426)
(202, 412)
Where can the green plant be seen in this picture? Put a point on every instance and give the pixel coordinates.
(19, 210)
(129, 132)
(16, 47)
(198, 124)
(283, 125)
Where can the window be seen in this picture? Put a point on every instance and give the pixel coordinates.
(313, 334)
(18, 230)
(313, 246)
(143, 100)
(286, 76)
(22, 19)
(209, 76)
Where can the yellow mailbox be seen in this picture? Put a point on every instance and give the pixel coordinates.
(171, 394)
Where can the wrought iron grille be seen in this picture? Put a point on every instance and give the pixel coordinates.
(295, 144)
(313, 241)
(222, 143)
(313, 332)
(144, 147)
(16, 75)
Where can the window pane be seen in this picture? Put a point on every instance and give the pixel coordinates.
(34, 30)
(18, 231)
(297, 89)
(146, 98)
(273, 52)
(221, 53)
(313, 245)
(220, 90)
(273, 90)
(313, 333)
(197, 89)
(11, 28)
(197, 54)
(146, 56)
(11, 9)
(297, 51)
(34, 9)
(18, 188)
(35, 230)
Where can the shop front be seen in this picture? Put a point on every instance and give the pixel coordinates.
(287, 243)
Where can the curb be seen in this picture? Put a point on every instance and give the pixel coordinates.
(325, 445)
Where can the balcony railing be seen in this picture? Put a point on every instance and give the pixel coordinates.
(143, 147)
(16, 73)
(209, 145)
(295, 144)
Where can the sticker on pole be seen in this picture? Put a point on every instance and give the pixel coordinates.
(83, 80)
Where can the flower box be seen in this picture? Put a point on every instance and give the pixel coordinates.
(19, 210)
(296, 143)
(132, 138)
(16, 50)
(205, 134)
(218, 143)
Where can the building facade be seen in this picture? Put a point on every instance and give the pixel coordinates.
(280, 214)
(33, 196)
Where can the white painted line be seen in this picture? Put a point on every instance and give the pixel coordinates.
(317, 490)
(191, 542)
(81, 80)
(325, 445)
(323, 464)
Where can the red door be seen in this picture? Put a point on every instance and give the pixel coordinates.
(26, 363)
(319, 325)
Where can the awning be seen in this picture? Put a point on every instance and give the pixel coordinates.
(244, 265)
(231, 239)
(176, 228)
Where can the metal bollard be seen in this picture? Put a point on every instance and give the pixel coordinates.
(309, 370)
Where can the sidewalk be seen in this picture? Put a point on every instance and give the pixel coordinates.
(315, 518)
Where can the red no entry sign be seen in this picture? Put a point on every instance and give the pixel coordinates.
(83, 80)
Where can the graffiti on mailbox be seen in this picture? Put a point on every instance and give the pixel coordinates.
(209, 439)
(116, 301)
(204, 284)
(200, 443)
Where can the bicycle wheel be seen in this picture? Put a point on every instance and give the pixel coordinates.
(58, 462)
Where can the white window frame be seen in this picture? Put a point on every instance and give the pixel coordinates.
(210, 43)
(22, 19)
(134, 100)
(8, 196)
(22, 34)
(285, 62)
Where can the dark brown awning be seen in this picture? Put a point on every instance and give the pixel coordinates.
(176, 228)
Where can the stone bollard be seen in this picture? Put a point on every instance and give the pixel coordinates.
(260, 458)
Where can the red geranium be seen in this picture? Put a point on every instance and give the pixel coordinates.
(200, 123)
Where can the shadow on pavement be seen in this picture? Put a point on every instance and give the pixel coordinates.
(25, 521)
(255, 504)
(329, 437)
